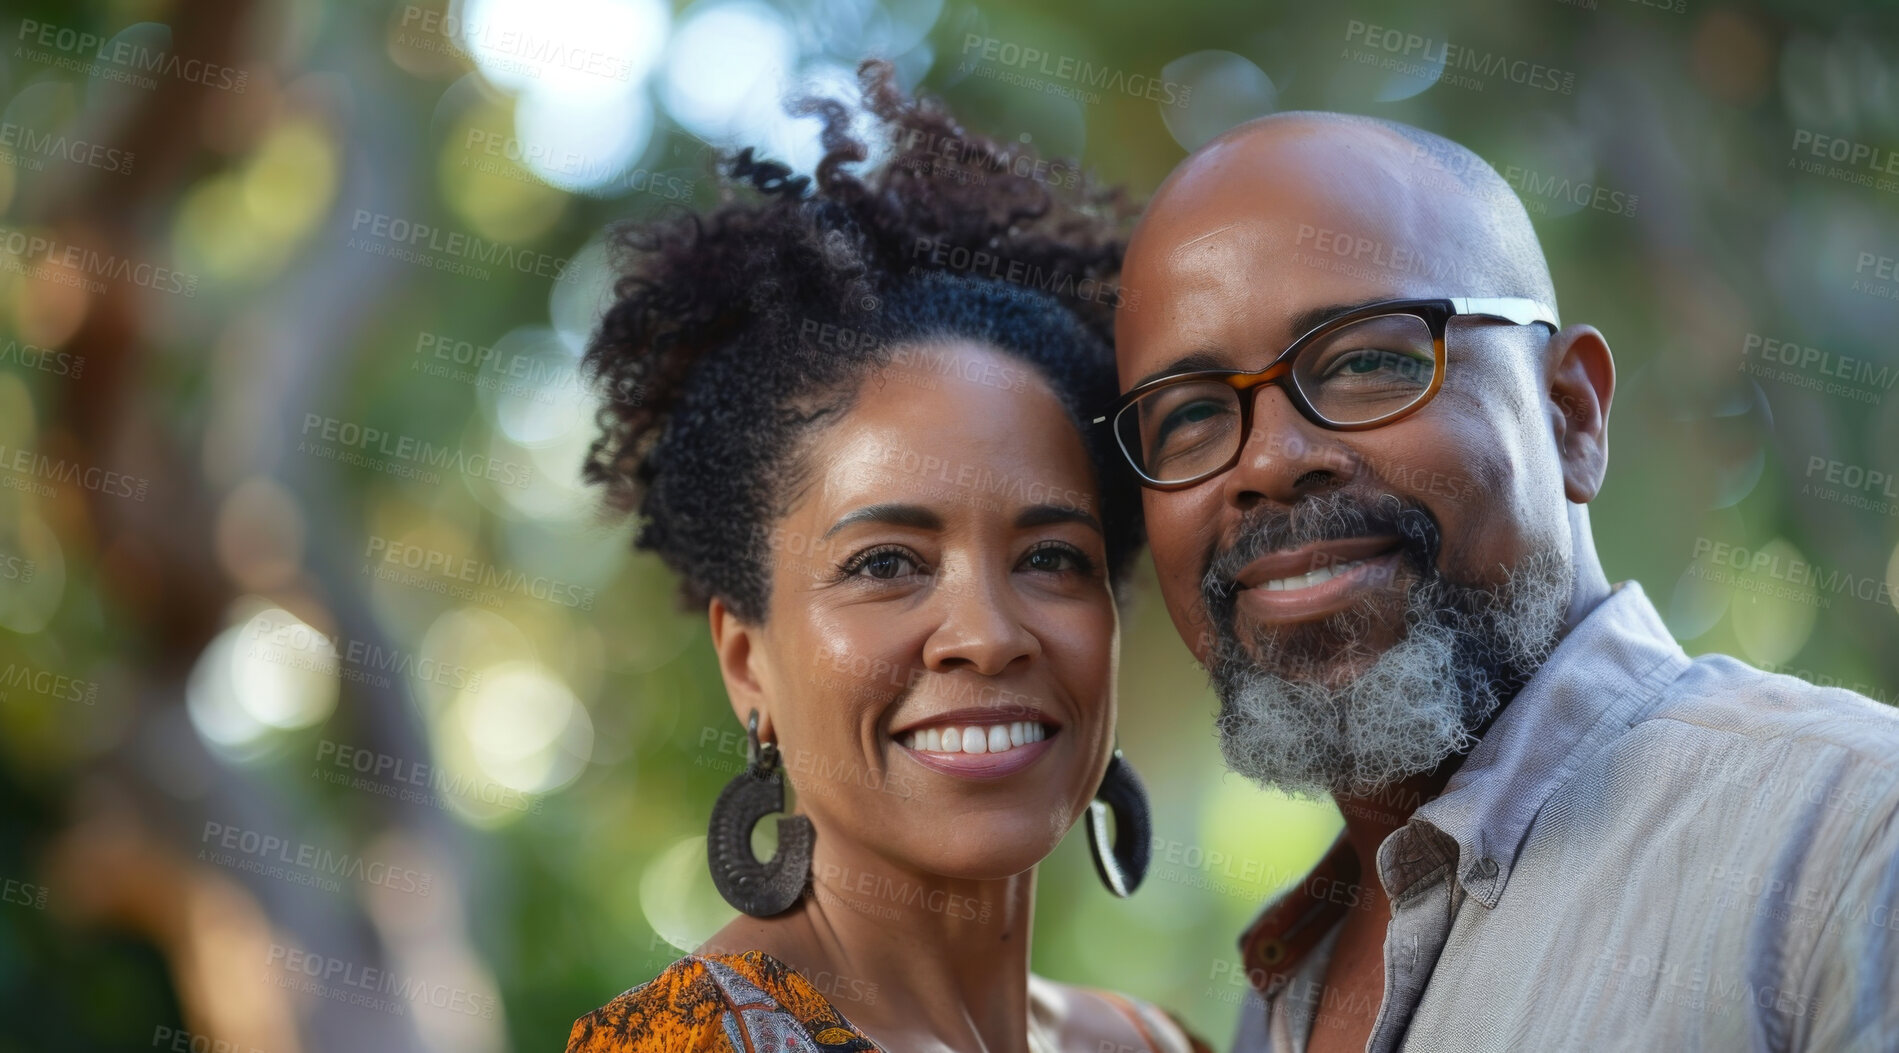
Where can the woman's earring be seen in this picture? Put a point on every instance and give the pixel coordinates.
(1122, 864)
(758, 889)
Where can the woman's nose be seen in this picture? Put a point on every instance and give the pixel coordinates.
(981, 627)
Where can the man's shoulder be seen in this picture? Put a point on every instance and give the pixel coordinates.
(1773, 713)
(1735, 745)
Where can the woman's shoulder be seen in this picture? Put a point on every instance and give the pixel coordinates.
(717, 1003)
(1094, 1018)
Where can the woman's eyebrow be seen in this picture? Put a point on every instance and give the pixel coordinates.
(894, 514)
(1043, 515)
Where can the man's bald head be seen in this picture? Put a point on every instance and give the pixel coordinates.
(1364, 597)
(1459, 217)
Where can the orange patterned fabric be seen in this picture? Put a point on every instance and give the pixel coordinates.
(723, 1003)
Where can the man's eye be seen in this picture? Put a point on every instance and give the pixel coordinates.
(1195, 412)
(1368, 361)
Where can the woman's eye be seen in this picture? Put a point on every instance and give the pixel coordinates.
(1055, 559)
(884, 565)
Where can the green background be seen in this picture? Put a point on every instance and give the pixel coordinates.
(1667, 173)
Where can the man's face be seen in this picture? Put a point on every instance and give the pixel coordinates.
(1430, 519)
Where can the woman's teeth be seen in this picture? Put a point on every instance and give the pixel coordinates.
(1302, 581)
(974, 738)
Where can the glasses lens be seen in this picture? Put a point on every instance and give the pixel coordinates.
(1181, 431)
(1369, 369)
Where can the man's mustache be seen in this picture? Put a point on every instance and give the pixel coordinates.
(1336, 516)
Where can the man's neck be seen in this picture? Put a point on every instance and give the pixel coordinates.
(1372, 817)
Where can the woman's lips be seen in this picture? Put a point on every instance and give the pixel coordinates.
(976, 750)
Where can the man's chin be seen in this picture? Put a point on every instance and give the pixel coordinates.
(1330, 705)
(1330, 651)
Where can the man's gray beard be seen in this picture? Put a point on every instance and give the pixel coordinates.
(1465, 650)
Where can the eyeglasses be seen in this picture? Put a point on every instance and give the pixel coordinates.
(1361, 369)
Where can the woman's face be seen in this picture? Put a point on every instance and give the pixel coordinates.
(938, 659)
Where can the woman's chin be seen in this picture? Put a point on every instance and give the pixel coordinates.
(988, 851)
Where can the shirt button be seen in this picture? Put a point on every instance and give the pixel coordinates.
(1484, 868)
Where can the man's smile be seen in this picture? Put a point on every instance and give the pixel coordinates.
(1317, 579)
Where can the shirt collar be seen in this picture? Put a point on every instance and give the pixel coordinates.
(1603, 676)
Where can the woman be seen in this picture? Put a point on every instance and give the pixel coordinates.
(871, 471)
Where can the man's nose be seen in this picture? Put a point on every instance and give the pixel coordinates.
(1284, 456)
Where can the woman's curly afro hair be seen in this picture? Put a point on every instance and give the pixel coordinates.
(711, 357)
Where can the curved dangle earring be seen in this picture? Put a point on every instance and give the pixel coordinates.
(767, 888)
(1123, 863)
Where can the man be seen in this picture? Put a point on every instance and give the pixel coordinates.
(1560, 832)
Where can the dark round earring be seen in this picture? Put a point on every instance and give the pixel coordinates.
(1123, 863)
(758, 889)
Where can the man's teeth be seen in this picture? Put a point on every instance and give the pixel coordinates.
(1301, 581)
(975, 738)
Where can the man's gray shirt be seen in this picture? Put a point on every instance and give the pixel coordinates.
(1645, 852)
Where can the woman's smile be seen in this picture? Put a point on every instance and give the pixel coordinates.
(978, 743)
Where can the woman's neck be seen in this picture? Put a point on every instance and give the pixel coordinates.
(914, 960)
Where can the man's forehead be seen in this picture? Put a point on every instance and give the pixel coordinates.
(1276, 185)
(1259, 231)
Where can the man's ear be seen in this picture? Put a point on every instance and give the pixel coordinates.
(1582, 382)
(736, 644)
